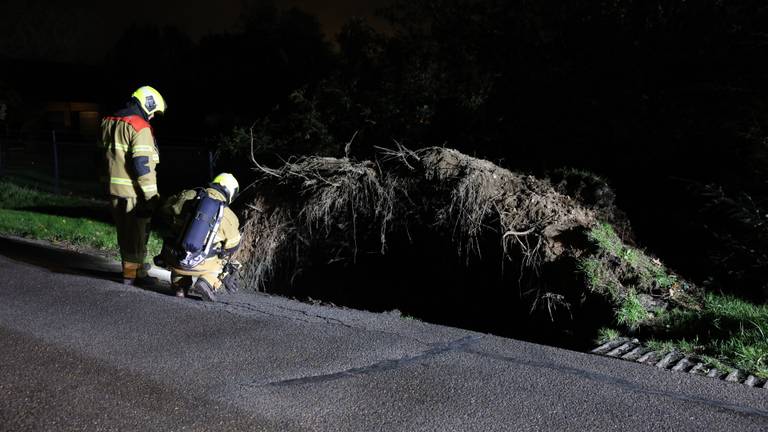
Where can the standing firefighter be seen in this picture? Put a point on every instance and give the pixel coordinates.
(201, 235)
(131, 158)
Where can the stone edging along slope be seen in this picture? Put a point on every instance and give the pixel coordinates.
(633, 350)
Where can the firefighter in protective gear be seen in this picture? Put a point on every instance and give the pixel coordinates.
(176, 214)
(131, 157)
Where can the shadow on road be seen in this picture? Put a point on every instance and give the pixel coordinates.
(65, 261)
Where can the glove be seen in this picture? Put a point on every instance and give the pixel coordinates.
(231, 284)
(162, 226)
(145, 209)
(229, 276)
(166, 253)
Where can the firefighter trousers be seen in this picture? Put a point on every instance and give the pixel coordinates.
(209, 270)
(132, 235)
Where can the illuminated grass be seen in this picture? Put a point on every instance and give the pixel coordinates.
(26, 212)
(606, 334)
(631, 312)
(69, 231)
(727, 332)
(13, 196)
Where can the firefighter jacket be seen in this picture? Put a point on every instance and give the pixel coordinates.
(131, 156)
(178, 209)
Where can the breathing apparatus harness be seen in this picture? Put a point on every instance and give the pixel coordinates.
(195, 244)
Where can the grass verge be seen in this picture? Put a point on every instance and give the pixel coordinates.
(670, 314)
(727, 331)
(13, 196)
(20, 216)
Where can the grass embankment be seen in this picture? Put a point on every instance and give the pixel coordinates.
(725, 332)
(67, 220)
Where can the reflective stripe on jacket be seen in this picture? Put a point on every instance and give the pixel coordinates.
(128, 145)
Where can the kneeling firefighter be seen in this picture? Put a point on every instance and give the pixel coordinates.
(200, 235)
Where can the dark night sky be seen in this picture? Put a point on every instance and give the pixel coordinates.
(200, 17)
(84, 30)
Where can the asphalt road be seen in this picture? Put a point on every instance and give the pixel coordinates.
(80, 352)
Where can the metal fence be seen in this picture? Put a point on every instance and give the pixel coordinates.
(52, 160)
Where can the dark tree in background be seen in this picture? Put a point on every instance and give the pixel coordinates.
(665, 99)
(161, 56)
(256, 68)
(31, 29)
(225, 79)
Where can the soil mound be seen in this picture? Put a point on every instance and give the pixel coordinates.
(442, 236)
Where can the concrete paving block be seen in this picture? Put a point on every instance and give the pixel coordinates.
(751, 381)
(699, 369)
(682, 365)
(635, 353)
(667, 360)
(734, 376)
(622, 349)
(604, 348)
(649, 357)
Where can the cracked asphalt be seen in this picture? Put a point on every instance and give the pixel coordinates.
(80, 352)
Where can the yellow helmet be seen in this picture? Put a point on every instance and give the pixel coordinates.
(150, 100)
(229, 183)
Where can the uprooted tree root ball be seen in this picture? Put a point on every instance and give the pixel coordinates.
(439, 235)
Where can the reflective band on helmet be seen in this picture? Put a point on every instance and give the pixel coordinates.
(121, 181)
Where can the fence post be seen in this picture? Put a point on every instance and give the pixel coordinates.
(3, 144)
(210, 164)
(56, 185)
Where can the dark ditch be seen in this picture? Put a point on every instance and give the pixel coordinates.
(424, 277)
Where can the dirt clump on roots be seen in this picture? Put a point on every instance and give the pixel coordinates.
(440, 236)
(593, 192)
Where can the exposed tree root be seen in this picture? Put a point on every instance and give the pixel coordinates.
(316, 211)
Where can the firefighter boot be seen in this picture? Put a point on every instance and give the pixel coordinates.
(205, 290)
(180, 291)
(180, 284)
(130, 272)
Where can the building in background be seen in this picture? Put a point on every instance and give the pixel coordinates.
(44, 96)
(75, 119)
